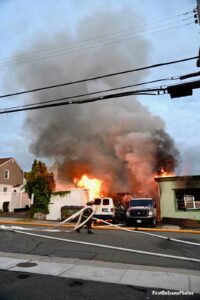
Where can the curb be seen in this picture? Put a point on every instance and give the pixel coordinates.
(101, 227)
(125, 274)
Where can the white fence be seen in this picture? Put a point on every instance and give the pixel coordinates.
(75, 197)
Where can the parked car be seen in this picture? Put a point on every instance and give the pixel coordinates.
(141, 211)
(106, 209)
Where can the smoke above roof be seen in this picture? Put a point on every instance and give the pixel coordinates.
(117, 140)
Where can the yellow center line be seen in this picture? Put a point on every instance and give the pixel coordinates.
(101, 227)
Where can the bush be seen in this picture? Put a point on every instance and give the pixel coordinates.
(40, 183)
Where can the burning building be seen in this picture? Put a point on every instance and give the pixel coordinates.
(134, 163)
(117, 142)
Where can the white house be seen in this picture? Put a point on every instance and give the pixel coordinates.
(12, 198)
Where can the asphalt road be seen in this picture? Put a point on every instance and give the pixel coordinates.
(22, 285)
(20, 243)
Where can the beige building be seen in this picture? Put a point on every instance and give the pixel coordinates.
(179, 197)
(10, 172)
(12, 195)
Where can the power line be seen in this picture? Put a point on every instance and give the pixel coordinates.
(99, 77)
(94, 93)
(85, 100)
(69, 50)
(178, 90)
(110, 43)
(189, 75)
(100, 41)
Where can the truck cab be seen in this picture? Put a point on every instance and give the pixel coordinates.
(141, 211)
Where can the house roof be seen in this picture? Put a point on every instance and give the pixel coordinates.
(3, 160)
(177, 178)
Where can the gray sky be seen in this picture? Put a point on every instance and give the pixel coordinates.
(38, 33)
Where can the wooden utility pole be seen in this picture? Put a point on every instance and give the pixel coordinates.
(198, 15)
(198, 10)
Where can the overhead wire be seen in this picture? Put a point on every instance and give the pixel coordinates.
(62, 52)
(100, 44)
(99, 77)
(147, 91)
(82, 101)
(102, 39)
(95, 93)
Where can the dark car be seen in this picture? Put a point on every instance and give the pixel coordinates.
(141, 211)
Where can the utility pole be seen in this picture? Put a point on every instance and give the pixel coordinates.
(197, 20)
(198, 9)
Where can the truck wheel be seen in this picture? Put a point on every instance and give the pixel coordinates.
(153, 222)
(115, 220)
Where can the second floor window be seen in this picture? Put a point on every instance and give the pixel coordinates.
(6, 174)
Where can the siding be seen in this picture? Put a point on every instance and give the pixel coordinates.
(15, 173)
(168, 199)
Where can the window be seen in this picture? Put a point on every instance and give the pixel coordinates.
(187, 199)
(6, 174)
(106, 201)
(141, 202)
(97, 201)
(5, 189)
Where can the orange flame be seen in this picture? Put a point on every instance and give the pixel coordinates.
(92, 184)
(164, 173)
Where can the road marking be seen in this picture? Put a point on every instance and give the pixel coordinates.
(110, 247)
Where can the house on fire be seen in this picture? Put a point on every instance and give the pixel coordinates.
(179, 198)
(12, 195)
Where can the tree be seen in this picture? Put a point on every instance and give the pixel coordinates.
(40, 183)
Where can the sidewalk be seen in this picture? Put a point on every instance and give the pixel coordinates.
(134, 275)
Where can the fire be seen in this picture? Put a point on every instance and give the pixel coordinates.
(92, 184)
(164, 173)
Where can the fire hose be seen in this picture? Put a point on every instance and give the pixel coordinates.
(67, 220)
(80, 214)
(147, 233)
(80, 224)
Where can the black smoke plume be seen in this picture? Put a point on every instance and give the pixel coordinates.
(119, 140)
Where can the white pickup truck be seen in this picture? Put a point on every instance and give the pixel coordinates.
(141, 211)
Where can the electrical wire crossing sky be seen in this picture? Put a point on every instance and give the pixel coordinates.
(80, 52)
